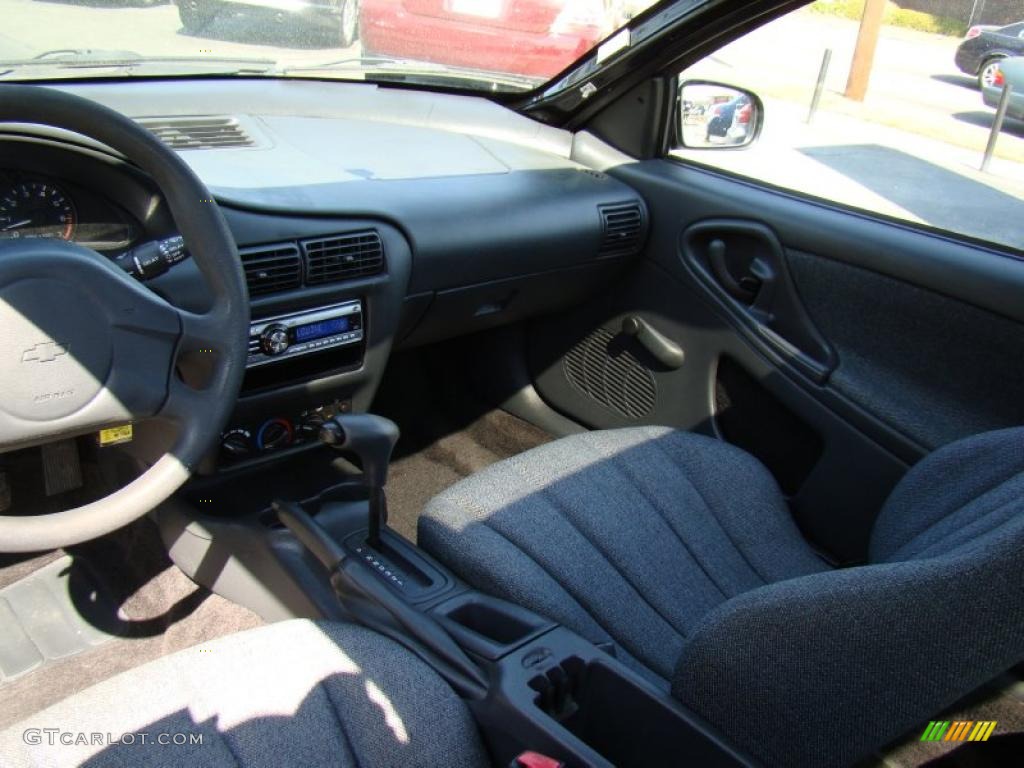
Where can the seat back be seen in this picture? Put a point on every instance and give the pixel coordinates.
(827, 668)
(963, 493)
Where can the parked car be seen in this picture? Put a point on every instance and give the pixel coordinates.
(984, 47)
(1009, 72)
(730, 121)
(534, 38)
(341, 16)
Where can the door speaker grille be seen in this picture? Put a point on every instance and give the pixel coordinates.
(602, 367)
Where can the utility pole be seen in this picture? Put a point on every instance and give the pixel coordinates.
(864, 53)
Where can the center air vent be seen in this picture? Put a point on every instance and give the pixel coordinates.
(603, 367)
(622, 226)
(198, 132)
(271, 268)
(343, 257)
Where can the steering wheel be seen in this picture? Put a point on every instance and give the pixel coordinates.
(84, 346)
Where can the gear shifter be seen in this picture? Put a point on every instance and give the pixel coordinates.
(371, 438)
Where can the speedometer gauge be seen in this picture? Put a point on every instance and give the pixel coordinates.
(36, 209)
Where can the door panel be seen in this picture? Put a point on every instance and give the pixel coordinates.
(884, 343)
(936, 368)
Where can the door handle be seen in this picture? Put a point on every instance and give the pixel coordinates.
(763, 300)
(745, 289)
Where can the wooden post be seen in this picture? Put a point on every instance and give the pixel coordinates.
(864, 53)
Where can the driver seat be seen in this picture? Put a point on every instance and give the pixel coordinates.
(293, 693)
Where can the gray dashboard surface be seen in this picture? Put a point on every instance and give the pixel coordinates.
(315, 132)
(480, 191)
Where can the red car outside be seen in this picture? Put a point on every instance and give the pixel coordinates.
(533, 38)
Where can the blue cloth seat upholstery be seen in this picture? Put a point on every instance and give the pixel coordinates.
(680, 551)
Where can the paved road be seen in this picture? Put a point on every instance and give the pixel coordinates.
(882, 169)
(915, 85)
(911, 150)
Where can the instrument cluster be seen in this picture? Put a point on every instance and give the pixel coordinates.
(39, 206)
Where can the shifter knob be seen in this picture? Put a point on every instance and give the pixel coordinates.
(370, 437)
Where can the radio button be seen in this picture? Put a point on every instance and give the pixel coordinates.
(274, 339)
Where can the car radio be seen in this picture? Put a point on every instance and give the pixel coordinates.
(279, 338)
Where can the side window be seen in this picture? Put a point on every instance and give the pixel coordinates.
(901, 133)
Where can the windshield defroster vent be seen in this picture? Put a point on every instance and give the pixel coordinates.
(272, 268)
(622, 226)
(343, 257)
(198, 132)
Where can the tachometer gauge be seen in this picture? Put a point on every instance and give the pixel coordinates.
(36, 209)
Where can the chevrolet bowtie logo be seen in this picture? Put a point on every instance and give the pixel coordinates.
(44, 352)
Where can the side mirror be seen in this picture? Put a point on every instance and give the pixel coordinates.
(717, 116)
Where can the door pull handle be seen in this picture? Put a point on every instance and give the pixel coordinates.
(743, 290)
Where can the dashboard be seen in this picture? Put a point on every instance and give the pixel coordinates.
(425, 216)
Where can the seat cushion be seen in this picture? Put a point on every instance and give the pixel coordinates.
(293, 693)
(629, 535)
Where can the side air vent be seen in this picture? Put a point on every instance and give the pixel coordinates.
(622, 226)
(602, 367)
(343, 257)
(198, 132)
(271, 268)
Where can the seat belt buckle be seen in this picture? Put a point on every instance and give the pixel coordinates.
(530, 759)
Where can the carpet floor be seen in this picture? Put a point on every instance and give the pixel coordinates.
(447, 432)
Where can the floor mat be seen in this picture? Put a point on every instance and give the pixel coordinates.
(144, 608)
(52, 613)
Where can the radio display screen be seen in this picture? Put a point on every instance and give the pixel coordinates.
(323, 328)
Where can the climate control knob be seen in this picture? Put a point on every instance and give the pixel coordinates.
(309, 428)
(274, 435)
(274, 339)
(236, 443)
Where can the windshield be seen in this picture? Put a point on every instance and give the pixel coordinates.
(493, 45)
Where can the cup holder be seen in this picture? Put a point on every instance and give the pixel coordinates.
(621, 721)
(559, 687)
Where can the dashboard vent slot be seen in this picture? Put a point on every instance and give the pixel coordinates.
(343, 257)
(198, 132)
(622, 226)
(271, 268)
(604, 368)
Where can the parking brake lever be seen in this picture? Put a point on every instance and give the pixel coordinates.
(355, 583)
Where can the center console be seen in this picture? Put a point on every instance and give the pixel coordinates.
(533, 685)
(326, 297)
